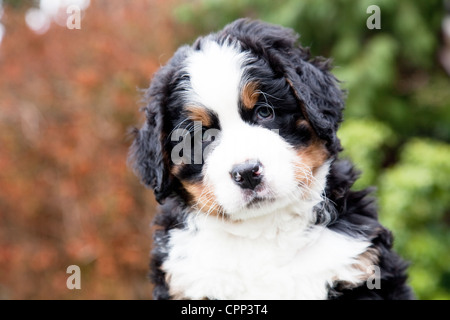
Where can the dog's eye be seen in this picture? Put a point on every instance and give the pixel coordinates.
(264, 113)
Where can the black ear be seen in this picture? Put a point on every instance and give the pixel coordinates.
(148, 156)
(319, 95)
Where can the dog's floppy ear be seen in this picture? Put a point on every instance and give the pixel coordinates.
(147, 155)
(319, 95)
(147, 159)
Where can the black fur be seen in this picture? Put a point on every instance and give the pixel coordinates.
(307, 90)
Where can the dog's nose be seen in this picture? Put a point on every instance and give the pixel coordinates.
(247, 175)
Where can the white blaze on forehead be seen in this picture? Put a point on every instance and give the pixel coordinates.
(216, 73)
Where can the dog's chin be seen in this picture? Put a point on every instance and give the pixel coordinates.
(255, 205)
(254, 198)
(256, 202)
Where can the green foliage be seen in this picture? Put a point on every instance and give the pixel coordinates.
(397, 120)
(363, 139)
(414, 199)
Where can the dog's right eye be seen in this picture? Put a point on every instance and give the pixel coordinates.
(264, 113)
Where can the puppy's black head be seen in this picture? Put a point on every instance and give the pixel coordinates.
(241, 121)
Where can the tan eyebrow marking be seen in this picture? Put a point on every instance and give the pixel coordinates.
(250, 95)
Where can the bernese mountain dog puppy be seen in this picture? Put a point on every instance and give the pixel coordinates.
(240, 148)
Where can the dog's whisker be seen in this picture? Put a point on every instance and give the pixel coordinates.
(186, 130)
(265, 94)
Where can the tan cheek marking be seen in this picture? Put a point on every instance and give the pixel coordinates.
(309, 160)
(197, 113)
(203, 198)
(250, 95)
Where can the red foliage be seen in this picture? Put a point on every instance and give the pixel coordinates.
(67, 197)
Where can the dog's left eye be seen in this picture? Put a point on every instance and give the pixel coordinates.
(264, 113)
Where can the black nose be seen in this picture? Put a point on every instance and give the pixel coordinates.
(247, 175)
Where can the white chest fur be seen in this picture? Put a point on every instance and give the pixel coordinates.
(271, 257)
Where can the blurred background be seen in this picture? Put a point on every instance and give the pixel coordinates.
(68, 98)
